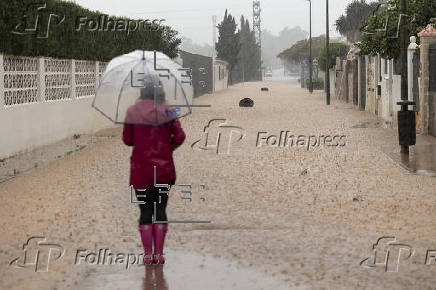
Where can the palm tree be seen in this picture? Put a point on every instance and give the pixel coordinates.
(356, 12)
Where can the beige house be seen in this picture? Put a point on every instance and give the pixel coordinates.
(373, 84)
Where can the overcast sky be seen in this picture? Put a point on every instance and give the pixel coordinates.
(193, 18)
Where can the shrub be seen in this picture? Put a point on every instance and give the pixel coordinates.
(64, 41)
(318, 83)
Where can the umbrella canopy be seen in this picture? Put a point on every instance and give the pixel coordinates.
(144, 88)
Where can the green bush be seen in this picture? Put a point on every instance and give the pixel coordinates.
(64, 41)
(335, 49)
(318, 83)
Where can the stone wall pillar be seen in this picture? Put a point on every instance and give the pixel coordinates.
(2, 83)
(97, 76)
(41, 79)
(428, 38)
(73, 79)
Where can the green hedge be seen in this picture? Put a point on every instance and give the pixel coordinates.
(64, 41)
(318, 83)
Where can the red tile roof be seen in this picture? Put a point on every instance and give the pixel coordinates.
(429, 30)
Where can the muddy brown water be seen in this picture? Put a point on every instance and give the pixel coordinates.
(182, 270)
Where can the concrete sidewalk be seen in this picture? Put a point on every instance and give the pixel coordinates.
(298, 217)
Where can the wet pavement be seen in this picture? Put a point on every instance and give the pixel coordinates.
(420, 160)
(182, 271)
(288, 216)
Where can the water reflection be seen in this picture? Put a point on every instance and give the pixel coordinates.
(182, 270)
(421, 160)
(155, 278)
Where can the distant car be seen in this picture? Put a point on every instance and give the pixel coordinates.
(268, 74)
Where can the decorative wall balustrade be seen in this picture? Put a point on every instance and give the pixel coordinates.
(57, 75)
(20, 80)
(26, 80)
(85, 78)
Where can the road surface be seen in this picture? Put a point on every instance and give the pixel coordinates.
(283, 217)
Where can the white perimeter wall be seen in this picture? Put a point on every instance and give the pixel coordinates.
(44, 100)
(28, 126)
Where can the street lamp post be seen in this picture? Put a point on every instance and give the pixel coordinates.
(327, 61)
(403, 49)
(310, 48)
(403, 56)
(406, 118)
(213, 51)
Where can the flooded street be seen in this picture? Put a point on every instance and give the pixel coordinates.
(284, 215)
(183, 271)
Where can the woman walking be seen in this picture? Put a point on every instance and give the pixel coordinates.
(153, 147)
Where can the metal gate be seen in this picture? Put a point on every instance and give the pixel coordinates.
(362, 72)
(355, 91)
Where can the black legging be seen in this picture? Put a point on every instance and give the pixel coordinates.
(152, 195)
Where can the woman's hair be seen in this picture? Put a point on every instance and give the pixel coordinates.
(152, 91)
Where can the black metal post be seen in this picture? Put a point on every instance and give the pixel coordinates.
(310, 49)
(327, 62)
(403, 58)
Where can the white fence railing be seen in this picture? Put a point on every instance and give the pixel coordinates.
(26, 80)
(44, 100)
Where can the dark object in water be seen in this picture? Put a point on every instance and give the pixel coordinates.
(246, 102)
(264, 89)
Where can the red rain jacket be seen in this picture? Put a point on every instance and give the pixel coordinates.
(152, 146)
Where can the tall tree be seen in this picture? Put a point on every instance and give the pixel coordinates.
(228, 45)
(335, 50)
(356, 12)
(248, 64)
(298, 52)
(254, 60)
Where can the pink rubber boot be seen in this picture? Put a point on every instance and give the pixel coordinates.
(159, 232)
(146, 232)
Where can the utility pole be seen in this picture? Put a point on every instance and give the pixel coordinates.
(213, 51)
(258, 31)
(403, 57)
(406, 118)
(310, 49)
(404, 45)
(327, 49)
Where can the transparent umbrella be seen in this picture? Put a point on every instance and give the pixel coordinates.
(144, 88)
